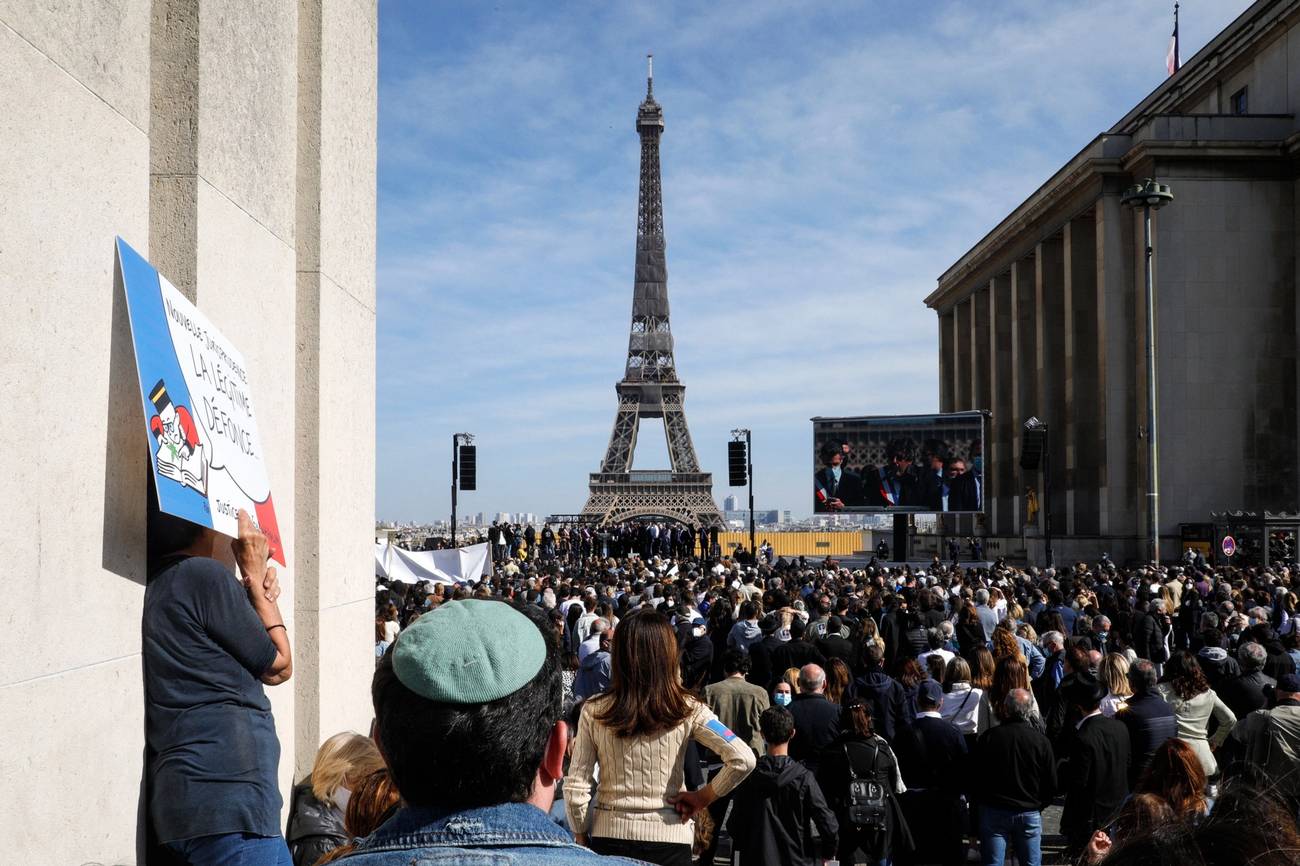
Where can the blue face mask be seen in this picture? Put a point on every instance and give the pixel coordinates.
(782, 699)
(836, 472)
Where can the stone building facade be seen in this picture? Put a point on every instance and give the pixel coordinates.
(1045, 316)
(232, 142)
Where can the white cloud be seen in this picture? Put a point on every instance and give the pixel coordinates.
(822, 165)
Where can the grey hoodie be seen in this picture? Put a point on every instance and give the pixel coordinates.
(744, 634)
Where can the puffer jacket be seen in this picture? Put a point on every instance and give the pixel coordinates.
(315, 828)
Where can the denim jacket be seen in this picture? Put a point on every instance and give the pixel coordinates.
(510, 833)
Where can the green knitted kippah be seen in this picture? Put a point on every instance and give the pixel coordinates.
(469, 652)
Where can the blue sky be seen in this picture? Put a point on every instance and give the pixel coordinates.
(822, 163)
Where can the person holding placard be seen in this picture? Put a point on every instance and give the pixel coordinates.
(212, 638)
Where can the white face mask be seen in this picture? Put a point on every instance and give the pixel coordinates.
(835, 472)
(341, 797)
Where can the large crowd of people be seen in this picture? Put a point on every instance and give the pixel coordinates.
(648, 703)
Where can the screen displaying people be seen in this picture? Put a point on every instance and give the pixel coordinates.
(919, 464)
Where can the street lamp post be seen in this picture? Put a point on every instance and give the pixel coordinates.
(1150, 195)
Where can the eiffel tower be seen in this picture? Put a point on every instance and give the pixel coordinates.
(650, 387)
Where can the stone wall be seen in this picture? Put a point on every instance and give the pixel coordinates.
(233, 143)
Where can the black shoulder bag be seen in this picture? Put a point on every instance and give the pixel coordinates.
(868, 797)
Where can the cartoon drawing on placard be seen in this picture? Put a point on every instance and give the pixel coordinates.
(180, 452)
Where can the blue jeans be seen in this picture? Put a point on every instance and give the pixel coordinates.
(1023, 830)
(233, 849)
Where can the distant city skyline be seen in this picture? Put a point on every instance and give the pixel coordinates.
(810, 199)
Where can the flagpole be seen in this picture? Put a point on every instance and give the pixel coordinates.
(1172, 61)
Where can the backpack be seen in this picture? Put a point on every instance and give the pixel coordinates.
(868, 797)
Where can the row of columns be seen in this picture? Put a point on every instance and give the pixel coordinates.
(1052, 336)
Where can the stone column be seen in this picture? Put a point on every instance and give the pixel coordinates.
(1049, 325)
(980, 384)
(946, 352)
(979, 336)
(1117, 445)
(999, 451)
(174, 142)
(1024, 375)
(335, 205)
(1082, 376)
(964, 355)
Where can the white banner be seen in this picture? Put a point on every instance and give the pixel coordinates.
(459, 565)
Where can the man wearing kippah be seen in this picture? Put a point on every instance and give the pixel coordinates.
(468, 717)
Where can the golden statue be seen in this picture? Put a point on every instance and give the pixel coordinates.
(1031, 505)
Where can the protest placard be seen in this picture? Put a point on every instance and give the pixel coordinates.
(207, 456)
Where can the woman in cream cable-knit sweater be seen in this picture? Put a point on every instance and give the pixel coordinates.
(637, 732)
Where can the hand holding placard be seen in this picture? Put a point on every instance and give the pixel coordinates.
(251, 554)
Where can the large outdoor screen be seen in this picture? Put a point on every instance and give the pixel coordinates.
(899, 463)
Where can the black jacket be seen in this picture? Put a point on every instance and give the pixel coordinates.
(970, 637)
(1149, 638)
(887, 701)
(1095, 777)
(910, 491)
(1013, 767)
(816, 723)
(1219, 666)
(772, 813)
(795, 654)
(1279, 661)
(963, 493)
(848, 491)
(836, 647)
(1149, 721)
(1246, 693)
(315, 828)
(761, 670)
(932, 754)
(696, 659)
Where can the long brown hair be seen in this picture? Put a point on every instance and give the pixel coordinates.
(1176, 774)
(855, 719)
(958, 672)
(646, 695)
(934, 667)
(981, 668)
(1005, 644)
(1143, 813)
(372, 803)
(837, 679)
(1186, 677)
(910, 672)
(1011, 673)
